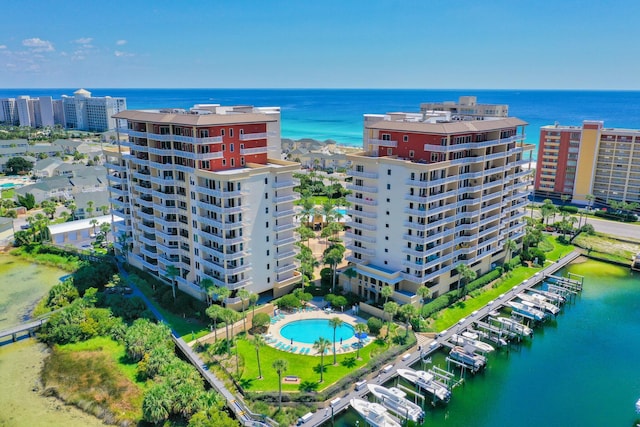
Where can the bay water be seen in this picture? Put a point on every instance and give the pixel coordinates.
(581, 369)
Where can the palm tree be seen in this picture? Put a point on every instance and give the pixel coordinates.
(90, 204)
(351, 273)
(386, 292)
(333, 256)
(214, 312)
(94, 222)
(258, 341)
(465, 273)
(173, 272)
(207, 285)
(335, 323)
(321, 345)
(509, 246)
(228, 316)
(423, 292)
(253, 299)
(222, 293)
(360, 328)
(281, 366)
(409, 312)
(390, 308)
(156, 403)
(243, 294)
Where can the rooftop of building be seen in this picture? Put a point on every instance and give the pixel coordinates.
(203, 115)
(599, 123)
(439, 123)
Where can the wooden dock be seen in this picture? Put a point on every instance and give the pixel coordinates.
(28, 329)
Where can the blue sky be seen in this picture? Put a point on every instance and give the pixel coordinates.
(491, 44)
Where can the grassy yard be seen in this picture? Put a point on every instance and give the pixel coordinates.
(96, 375)
(307, 368)
(8, 194)
(479, 298)
(608, 248)
(187, 328)
(317, 200)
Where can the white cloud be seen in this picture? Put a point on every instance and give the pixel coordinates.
(38, 45)
(121, 42)
(120, 54)
(3, 46)
(83, 40)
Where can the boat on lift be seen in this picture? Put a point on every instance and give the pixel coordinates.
(465, 340)
(467, 356)
(374, 414)
(514, 326)
(550, 296)
(527, 309)
(394, 400)
(540, 302)
(426, 381)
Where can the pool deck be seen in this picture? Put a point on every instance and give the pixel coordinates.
(276, 340)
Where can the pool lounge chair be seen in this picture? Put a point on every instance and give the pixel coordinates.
(285, 347)
(279, 344)
(294, 349)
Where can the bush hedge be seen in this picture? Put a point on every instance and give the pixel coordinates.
(615, 216)
(569, 209)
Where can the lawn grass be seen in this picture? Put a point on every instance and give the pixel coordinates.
(96, 376)
(8, 194)
(451, 315)
(317, 200)
(304, 367)
(187, 328)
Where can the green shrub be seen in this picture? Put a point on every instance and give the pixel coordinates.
(569, 209)
(260, 320)
(374, 325)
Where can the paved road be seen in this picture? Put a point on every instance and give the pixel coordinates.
(613, 228)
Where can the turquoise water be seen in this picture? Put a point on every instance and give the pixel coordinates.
(582, 369)
(309, 330)
(7, 185)
(341, 211)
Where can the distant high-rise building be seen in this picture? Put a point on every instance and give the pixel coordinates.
(430, 193)
(577, 161)
(82, 111)
(94, 114)
(467, 106)
(199, 192)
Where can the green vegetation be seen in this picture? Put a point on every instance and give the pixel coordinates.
(181, 316)
(18, 166)
(95, 376)
(9, 194)
(607, 248)
(48, 255)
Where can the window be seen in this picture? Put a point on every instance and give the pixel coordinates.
(412, 153)
(224, 162)
(386, 225)
(266, 210)
(388, 200)
(389, 151)
(266, 196)
(221, 132)
(388, 186)
(388, 171)
(386, 237)
(386, 250)
(267, 224)
(268, 252)
(230, 132)
(405, 138)
(267, 238)
(223, 147)
(266, 181)
(233, 161)
(387, 212)
(386, 137)
(231, 147)
(242, 161)
(241, 131)
(268, 266)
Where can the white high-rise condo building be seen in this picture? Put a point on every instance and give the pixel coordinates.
(199, 192)
(432, 190)
(94, 114)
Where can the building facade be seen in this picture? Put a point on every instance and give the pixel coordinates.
(81, 111)
(429, 193)
(198, 191)
(578, 161)
(467, 107)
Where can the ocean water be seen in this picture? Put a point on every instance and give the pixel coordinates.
(581, 369)
(337, 114)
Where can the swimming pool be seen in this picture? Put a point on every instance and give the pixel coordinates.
(307, 331)
(341, 211)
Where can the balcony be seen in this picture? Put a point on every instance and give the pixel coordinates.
(284, 227)
(194, 140)
(362, 188)
(115, 167)
(357, 237)
(364, 251)
(286, 268)
(285, 255)
(362, 201)
(218, 193)
(361, 226)
(284, 184)
(283, 214)
(362, 174)
(365, 214)
(382, 142)
(285, 241)
(167, 210)
(286, 198)
(252, 151)
(159, 137)
(147, 241)
(209, 156)
(140, 260)
(253, 136)
(220, 209)
(118, 204)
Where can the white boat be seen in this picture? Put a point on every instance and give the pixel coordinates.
(514, 326)
(464, 340)
(394, 400)
(470, 334)
(527, 309)
(426, 381)
(468, 357)
(374, 414)
(550, 296)
(638, 406)
(540, 302)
